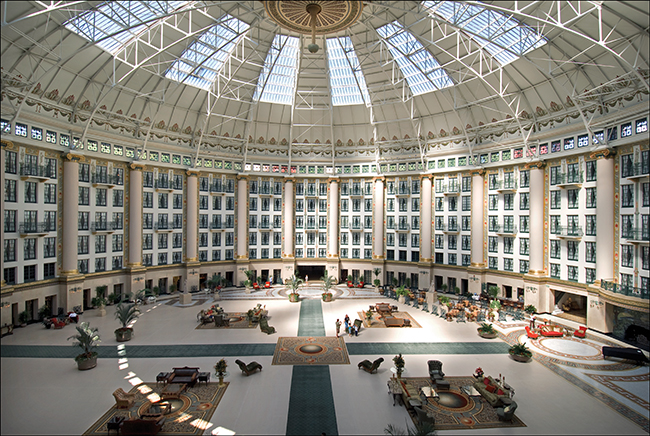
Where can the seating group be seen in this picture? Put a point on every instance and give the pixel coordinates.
(187, 375)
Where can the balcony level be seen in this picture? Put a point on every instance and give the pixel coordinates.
(163, 227)
(103, 227)
(628, 291)
(639, 171)
(39, 173)
(569, 180)
(568, 232)
(108, 180)
(452, 189)
(506, 186)
(35, 229)
(506, 230)
(636, 236)
(450, 229)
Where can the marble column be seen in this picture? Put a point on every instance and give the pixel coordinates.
(605, 218)
(191, 231)
(2, 202)
(70, 213)
(135, 215)
(333, 229)
(536, 222)
(378, 220)
(425, 225)
(242, 217)
(478, 226)
(288, 254)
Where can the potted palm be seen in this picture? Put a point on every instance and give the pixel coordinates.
(87, 339)
(399, 365)
(250, 274)
(293, 283)
(487, 331)
(493, 291)
(23, 317)
(530, 309)
(376, 282)
(394, 282)
(328, 282)
(444, 288)
(249, 315)
(44, 312)
(172, 288)
(350, 280)
(368, 314)
(125, 314)
(520, 353)
(401, 294)
(220, 370)
(99, 301)
(444, 300)
(495, 306)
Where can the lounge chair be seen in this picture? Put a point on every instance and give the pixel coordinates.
(370, 367)
(250, 368)
(123, 400)
(435, 370)
(267, 284)
(265, 327)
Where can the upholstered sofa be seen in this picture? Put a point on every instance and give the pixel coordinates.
(490, 391)
(186, 375)
(550, 331)
(391, 321)
(383, 308)
(142, 426)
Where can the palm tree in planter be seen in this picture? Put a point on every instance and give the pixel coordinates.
(87, 339)
(493, 291)
(520, 353)
(399, 365)
(401, 294)
(220, 370)
(293, 283)
(487, 331)
(444, 300)
(328, 282)
(376, 282)
(250, 275)
(125, 314)
(530, 309)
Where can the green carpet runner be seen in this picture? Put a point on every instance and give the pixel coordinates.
(311, 403)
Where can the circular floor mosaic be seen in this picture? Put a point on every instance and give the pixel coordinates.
(570, 348)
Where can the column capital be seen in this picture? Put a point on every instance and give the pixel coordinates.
(291, 179)
(379, 178)
(6, 143)
(606, 153)
(333, 179)
(137, 166)
(540, 165)
(243, 177)
(426, 176)
(477, 172)
(72, 157)
(192, 173)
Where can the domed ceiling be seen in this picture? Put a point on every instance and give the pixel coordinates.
(389, 79)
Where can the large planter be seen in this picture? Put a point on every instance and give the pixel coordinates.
(401, 299)
(519, 357)
(487, 335)
(327, 297)
(294, 298)
(123, 335)
(248, 289)
(87, 363)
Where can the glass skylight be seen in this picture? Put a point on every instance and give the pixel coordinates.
(422, 72)
(200, 63)
(112, 24)
(503, 37)
(278, 78)
(347, 81)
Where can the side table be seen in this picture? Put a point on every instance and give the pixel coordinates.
(204, 377)
(114, 424)
(162, 377)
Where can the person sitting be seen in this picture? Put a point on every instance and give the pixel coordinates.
(73, 317)
(567, 305)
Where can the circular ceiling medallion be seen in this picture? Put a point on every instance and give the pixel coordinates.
(332, 17)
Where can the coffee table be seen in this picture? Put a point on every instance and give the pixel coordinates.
(427, 392)
(470, 391)
(173, 390)
(204, 377)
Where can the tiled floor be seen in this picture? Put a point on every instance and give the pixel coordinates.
(49, 395)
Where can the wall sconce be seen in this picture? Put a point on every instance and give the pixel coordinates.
(4, 304)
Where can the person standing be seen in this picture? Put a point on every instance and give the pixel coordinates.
(347, 322)
(338, 327)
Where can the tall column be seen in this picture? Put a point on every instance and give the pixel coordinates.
(135, 215)
(70, 213)
(333, 229)
(2, 203)
(477, 219)
(191, 231)
(425, 225)
(605, 218)
(288, 256)
(378, 220)
(242, 228)
(536, 221)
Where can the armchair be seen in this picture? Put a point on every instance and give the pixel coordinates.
(369, 367)
(423, 416)
(531, 334)
(256, 286)
(142, 426)
(581, 332)
(435, 370)
(58, 324)
(250, 368)
(123, 400)
(267, 284)
(507, 411)
(265, 327)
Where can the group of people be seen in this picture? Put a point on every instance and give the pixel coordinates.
(351, 329)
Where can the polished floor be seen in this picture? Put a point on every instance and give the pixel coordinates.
(567, 389)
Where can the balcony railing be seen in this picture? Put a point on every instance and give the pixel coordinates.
(451, 189)
(638, 170)
(36, 228)
(265, 225)
(505, 230)
(163, 184)
(103, 226)
(162, 226)
(506, 185)
(356, 226)
(630, 291)
(450, 229)
(567, 231)
(635, 234)
(403, 227)
(216, 225)
(569, 179)
(35, 171)
(104, 179)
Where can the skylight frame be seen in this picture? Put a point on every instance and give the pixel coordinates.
(347, 81)
(277, 81)
(112, 24)
(422, 71)
(504, 37)
(201, 62)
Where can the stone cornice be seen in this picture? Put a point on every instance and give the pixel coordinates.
(540, 165)
(606, 153)
(137, 166)
(192, 173)
(6, 143)
(72, 157)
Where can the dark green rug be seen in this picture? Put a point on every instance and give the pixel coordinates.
(311, 403)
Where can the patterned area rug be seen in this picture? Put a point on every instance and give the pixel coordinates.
(455, 410)
(237, 320)
(378, 320)
(311, 350)
(189, 415)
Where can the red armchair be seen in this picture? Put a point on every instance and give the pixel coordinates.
(57, 324)
(350, 285)
(256, 286)
(267, 284)
(550, 331)
(531, 334)
(581, 332)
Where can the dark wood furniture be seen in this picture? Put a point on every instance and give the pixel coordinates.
(135, 426)
(625, 353)
(204, 377)
(173, 390)
(186, 375)
(162, 377)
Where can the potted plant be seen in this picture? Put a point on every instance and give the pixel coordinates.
(125, 314)
(394, 282)
(23, 317)
(368, 314)
(377, 282)
(350, 280)
(172, 288)
(87, 339)
(444, 288)
(44, 312)
(328, 282)
(399, 365)
(444, 300)
(250, 274)
(293, 283)
(520, 353)
(457, 290)
(530, 309)
(493, 291)
(112, 299)
(99, 301)
(408, 282)
(249, 316)
(220, 370)
(487, 331)
(401, 294)
(478, 373)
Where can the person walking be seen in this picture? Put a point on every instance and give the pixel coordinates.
(347, 323)
(338, 327)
